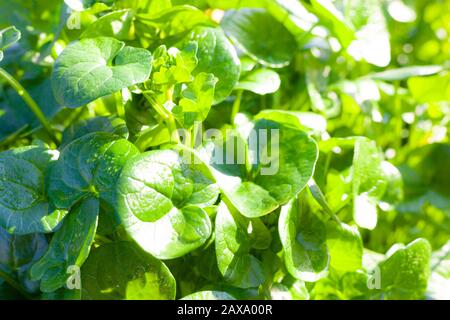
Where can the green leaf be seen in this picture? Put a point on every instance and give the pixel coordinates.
(233, 4)
(345, 246)
(369, 183)
(226, 159)
(295, 154)
(303, 236)
(237, 264)
(24, 207)
(260, 35)
(250, 199)
(17, 255)
(117, 24)
(197, 100)
(110, 124)
(89, 166)
(405, 272)
(394, 188)
(405, 73)
(209, 295)
(282, 161)
(260, 81)
(306, 121)
(328, 12)
(69, 246)
(216, 55)
(120, 270)
(372, 43)
(8, 37)
(92, 68)
(160, 200)
(295, 291)
(171, 24)
(259, 235)
(430, 89)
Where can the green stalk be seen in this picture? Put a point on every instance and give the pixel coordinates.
(236, 105)
(168, 118)
(102, 239)
(320, 198)
(398, 111)
(30, 103)
(174, 137)
(195, 131)
(120, 108)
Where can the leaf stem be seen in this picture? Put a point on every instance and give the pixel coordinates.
(320, 198)
(159, 109)
(398, 111)
(168, 118)
(120, 108)
(30, 103)
(174, 137)
(236, 105)
(102, 239)
(195, 132)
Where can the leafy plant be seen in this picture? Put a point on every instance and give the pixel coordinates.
(266, 149)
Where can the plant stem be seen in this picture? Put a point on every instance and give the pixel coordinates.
(236, 105)
(30, 103)
(120, 108)
(398, 111)
(167, 117)
(102, 239)
(195, 132)
(159, 109)
(174, 137)
(13, 283)
(13, 136)
(320, 198)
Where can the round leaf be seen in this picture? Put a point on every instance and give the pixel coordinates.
(92, 68)
(24, 207)
(233, 244)
(89, 165)
(303, 236)
(69, 247)
(216, 55)
(122, 271)
(260, 35)
(160, 200)
(260, 81)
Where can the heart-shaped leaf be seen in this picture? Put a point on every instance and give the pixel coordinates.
(92, 68)
(69, 247)
(235, 260)
(160, 200)
(260, 35)
(303, 236)
(216, 55)
(8, 37)
(87, 166)
(24, 207)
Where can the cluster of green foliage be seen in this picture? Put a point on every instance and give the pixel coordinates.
(93, 174)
